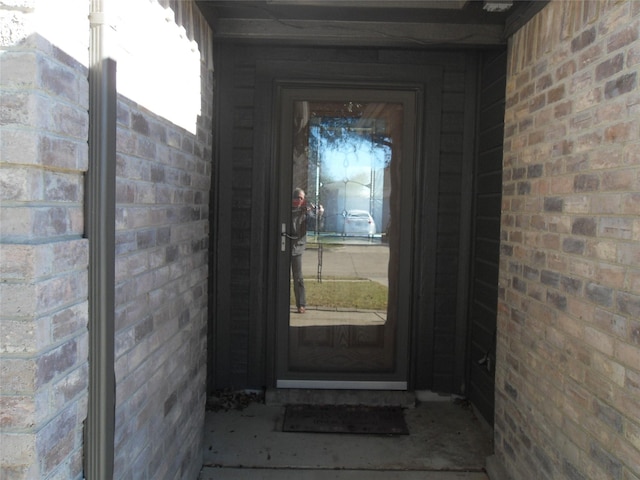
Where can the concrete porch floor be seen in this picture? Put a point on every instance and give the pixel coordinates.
(446, 442)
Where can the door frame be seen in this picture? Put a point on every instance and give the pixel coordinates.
(287, 94)
(427, 80)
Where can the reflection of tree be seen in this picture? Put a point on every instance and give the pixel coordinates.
(351, 138)
(348, 156)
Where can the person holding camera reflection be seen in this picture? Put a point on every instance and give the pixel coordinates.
(302, 212)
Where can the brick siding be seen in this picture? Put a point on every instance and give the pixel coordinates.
(162, 240)
(161, 294)
(163, 182)
(568, 366)
(43, 286)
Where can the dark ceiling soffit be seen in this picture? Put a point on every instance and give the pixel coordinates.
(350, 33)
(302, 22)
(431, 4)
(465, 11)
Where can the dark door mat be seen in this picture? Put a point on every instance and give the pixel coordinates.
(345, 419)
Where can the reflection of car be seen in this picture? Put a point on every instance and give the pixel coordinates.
(359, 222)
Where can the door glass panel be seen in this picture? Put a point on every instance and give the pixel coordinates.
(344, 234)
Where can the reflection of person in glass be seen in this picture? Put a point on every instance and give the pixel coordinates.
(301, 213)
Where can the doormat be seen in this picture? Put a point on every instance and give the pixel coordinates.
(345, 419)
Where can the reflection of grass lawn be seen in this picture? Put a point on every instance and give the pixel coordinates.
(345, 293)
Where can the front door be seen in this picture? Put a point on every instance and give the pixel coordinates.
(345, 206)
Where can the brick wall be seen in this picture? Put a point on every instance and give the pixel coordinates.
(161, 259)
(43, 285)
(568, 367)
(161, 296)
(162, 198)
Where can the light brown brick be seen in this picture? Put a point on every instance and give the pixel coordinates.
(18, 412)
(17, 376)
(590, 274)
(627, 354)
(620, 132)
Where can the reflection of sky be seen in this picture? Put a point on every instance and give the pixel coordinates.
(354, 164)
(347, 155)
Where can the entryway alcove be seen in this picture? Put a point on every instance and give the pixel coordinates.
(447, 246)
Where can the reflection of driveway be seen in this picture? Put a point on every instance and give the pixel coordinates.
(353, 261)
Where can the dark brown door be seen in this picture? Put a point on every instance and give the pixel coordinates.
(346, 161)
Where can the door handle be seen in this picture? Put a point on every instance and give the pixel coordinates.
(283, 237)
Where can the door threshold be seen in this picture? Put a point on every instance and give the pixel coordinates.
(342, 385)
(316, 396)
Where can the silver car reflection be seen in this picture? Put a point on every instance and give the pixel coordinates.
(359, 223)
